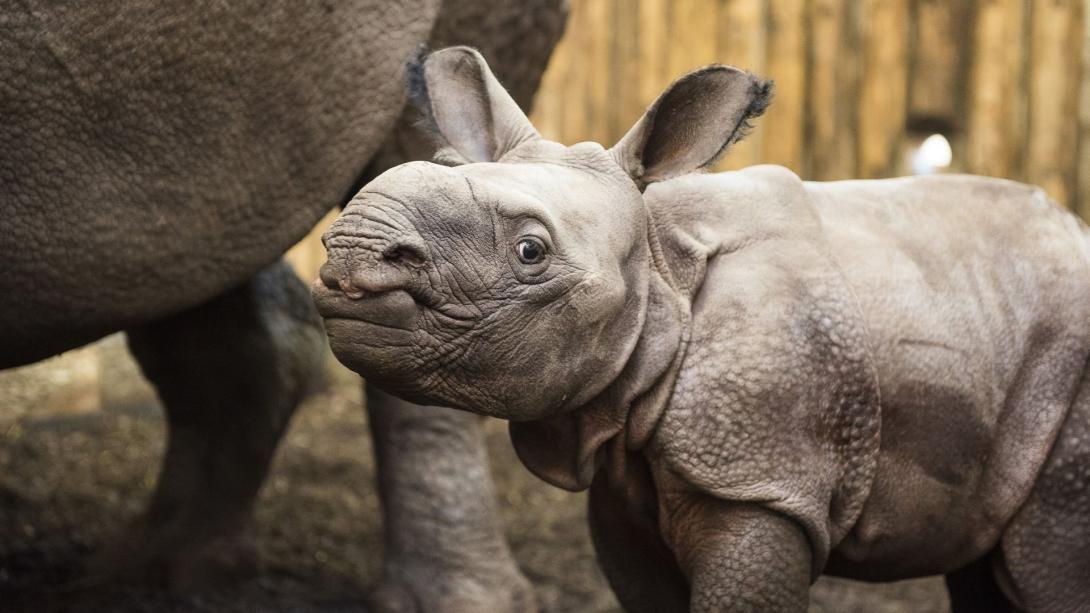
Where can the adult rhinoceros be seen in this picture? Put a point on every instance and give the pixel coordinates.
(156, 160)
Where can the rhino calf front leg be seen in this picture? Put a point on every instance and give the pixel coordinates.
(741, 557)
(445, 548)
(230, 374)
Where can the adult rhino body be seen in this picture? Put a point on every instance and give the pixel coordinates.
(155, 160)
(759, 379)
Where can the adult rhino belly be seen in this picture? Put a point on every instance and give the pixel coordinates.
(156, 154)
(975, 296)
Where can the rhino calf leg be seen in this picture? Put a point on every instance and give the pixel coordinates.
(229, 373)
(739, 557)
(1046, 547)
(445, 549)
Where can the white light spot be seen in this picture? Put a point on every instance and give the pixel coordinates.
(933, 155)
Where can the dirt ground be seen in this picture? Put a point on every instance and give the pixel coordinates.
(73, 472)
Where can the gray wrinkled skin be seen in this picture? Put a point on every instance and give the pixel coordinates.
(155, 160)
(760, 379)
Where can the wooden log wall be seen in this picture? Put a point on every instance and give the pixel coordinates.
(858, 83)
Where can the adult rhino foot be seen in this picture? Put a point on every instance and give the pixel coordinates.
(176, 558)
(428, 589)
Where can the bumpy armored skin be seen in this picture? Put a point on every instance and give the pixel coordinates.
(760, 379)
(157, 157)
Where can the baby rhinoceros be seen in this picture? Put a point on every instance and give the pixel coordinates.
(760, 379)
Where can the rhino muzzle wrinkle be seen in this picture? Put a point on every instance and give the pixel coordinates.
(365, 270)
(379, 278)
(367, 280)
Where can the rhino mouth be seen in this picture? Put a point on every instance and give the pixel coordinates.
(394, 309)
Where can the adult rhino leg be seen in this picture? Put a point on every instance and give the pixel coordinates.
(229, 373)
(974, 588)
(445, 549)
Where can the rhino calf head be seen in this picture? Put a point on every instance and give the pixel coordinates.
(513, 280)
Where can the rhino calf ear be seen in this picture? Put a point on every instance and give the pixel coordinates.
(470, 111)
(692, 123)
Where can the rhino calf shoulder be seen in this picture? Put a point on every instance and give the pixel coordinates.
(760, 379)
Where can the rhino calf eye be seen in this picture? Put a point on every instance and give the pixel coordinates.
(530, 250)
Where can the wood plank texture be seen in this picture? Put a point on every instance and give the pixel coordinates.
(1007, 81)
(1054, 69)
(996, 122)
(882, 97)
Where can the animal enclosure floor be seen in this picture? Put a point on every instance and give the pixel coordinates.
(69, 480)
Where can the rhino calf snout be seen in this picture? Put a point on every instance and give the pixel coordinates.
(370, 256)
(370, 275)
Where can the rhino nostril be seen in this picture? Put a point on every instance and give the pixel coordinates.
(407, 254)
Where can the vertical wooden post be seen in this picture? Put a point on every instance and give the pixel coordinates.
(883, 87)
(741, 42)
(783, 125)
(1082, 171)
(937, 73)
(832, 91)
(693, 29)
(1053, 96)
(575, 97)
(995, 126)
(597, 66)
(549, 103)
(624, 105)
(654, 24)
